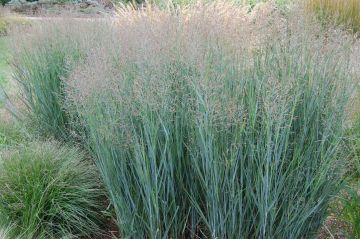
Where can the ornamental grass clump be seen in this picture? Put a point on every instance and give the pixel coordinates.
(49, 191)
(41, 63)
(205, 121)
(343, 12)
(211, 122)
(4, 232)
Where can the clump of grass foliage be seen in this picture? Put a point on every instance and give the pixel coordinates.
(3, 27)
(49, 191)
(350, 212)
(40, 75)
(356, 134)
(204, 121)
(4, 232)
(39, 66)
(11, 133)
(344, 12)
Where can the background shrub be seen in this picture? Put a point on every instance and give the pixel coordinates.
(48, 191)
(3, 2)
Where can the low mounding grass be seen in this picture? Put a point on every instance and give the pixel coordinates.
(48, 191)
(351, 211)
(10, 134)
(350, 203)
(354, 140)
(344, 12)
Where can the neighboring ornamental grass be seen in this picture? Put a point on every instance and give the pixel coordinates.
(343, 11)
(40, 65)
(49, 191)
(11, 133)
(206, 121)
(350, 212)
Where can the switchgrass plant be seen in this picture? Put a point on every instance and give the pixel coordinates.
(205, 121)
(204, 127)
(49, 191)
(39, 71)
(344, 12)
(183, 3)
(41, 64)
